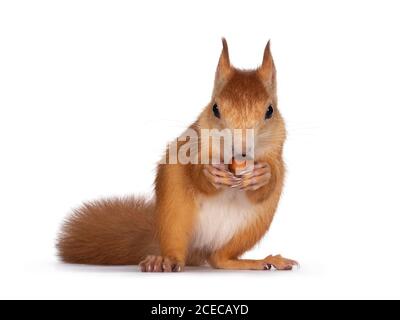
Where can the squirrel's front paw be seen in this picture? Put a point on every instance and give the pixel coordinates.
(256, 179)
(220, 177)
(160, 264)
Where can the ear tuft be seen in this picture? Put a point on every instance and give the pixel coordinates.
(225, 51)
(268, 47)
(267, 58)
(224, 65)
(267, 69)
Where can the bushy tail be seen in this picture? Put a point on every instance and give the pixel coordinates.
(109, 232)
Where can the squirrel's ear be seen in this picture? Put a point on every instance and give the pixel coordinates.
(267, 70)
(224, 65)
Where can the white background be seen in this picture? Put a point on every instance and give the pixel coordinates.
(91, 91)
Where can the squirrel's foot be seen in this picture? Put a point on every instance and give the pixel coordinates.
(279, 263)
(160, 264)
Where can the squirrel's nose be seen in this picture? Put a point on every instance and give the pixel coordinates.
(240, 156)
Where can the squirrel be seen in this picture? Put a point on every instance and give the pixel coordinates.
(201, 213)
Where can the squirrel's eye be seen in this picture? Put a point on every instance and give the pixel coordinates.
(216, 111)
(270, 112)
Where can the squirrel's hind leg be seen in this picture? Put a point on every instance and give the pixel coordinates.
(278, 262)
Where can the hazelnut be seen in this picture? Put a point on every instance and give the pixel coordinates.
(237, 167)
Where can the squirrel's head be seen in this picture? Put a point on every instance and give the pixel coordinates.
(246, 99)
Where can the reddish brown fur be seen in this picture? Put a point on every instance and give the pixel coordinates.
(126, 231)
(109, 232)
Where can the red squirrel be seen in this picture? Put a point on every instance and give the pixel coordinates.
(201, 213)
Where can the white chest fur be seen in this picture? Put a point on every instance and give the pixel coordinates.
(220, 218)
